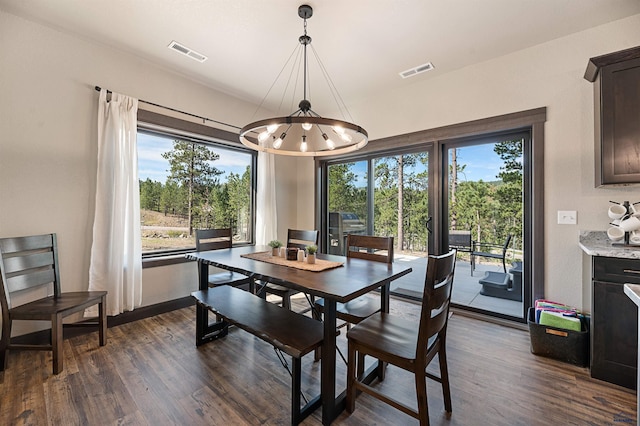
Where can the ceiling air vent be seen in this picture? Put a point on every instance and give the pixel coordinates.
(417, 70)
(174, 45)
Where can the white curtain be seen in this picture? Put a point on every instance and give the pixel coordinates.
(266, 212)
(116, 254)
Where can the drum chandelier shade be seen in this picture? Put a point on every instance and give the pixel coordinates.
(305, 132)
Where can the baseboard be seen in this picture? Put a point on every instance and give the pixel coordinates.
(72, 330)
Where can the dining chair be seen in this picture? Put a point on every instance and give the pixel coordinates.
(377, 249)
(396, 340)
(216, 239)
(296, 238)
(29, 266)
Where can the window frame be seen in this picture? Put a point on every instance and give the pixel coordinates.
(163, 125)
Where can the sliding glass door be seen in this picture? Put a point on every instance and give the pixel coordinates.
(484, 207)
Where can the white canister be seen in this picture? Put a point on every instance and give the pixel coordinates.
(300, 255)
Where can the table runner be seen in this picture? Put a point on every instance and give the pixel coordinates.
(320, 265)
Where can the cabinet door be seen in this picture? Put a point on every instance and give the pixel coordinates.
(614, 335)
(620, 126)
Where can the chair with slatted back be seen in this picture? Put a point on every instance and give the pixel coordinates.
(397, 340)
(26, 265)
(296, 238)
(377, 249)
(216, 239)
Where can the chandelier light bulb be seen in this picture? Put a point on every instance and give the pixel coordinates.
(272, 128)
(307, 126)
(346, 137)
(330, 144)
(303, 145)
(263, 136)
(278, 142)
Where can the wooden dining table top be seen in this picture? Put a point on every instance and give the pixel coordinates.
(343, 283)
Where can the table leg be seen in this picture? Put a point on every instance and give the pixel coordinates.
(330, 407)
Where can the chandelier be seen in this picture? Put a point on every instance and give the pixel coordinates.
(305, 132)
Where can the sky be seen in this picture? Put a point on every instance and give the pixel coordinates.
(480, 160)
(151, 164)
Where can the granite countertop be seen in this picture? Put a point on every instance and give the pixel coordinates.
(633, 291)
(596, 243)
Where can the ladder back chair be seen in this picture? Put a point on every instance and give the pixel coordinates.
(296, 238)
(377, 249)
(216, 239)
(397, 341)
(28, 264)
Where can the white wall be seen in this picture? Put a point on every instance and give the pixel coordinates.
(48, 152)
(548, 75)
(48, 137)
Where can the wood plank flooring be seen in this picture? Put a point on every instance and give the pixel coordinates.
(151, 373)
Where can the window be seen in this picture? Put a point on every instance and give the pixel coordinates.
(191, 181)
(483, 179)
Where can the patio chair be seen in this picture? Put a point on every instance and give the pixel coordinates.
(485, 250)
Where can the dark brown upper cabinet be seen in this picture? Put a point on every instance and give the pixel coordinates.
(617, 116)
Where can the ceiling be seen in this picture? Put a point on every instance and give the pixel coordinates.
(363, 44)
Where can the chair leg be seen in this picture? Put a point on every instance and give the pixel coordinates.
(472, 261)
(351, 379)
(444, 378)
(102, 320)
(360, 365)
(421, 393)
(4, 344)
(57, 342)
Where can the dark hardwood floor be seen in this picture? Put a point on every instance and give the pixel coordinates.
(151, 373)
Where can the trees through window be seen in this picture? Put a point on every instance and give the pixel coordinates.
(187, 184)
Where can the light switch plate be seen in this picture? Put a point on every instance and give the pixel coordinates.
(567, 217)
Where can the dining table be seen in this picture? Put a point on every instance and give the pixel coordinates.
(348, 279)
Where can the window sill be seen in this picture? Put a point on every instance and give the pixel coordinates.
(153, 262)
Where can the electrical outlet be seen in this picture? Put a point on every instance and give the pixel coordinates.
(567, 217)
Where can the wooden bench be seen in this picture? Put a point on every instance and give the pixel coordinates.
(286, 330)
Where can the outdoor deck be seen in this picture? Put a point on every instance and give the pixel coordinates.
(466, 289)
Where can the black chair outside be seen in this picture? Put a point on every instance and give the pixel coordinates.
(484, 250)
(216, 239)
(29, 264)
(461, 241)
(396, 340)
(296, 238)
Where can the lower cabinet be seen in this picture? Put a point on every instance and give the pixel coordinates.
(614, 321)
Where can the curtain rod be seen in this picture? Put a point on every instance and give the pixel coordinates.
(98, 88)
